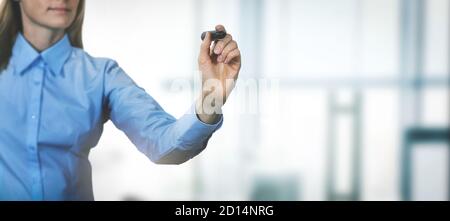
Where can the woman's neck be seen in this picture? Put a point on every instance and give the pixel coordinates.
(41, 37)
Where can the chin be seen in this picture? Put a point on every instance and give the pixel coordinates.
(59, 24)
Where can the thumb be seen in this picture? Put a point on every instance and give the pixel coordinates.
(205, 49)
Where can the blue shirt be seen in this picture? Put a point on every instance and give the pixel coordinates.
(53, 106)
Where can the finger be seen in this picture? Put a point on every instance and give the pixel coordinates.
(232, 55)
(220, 28)
(211, 49)
(228, 48)
(205, 49)
(222, 43)
(213, 55)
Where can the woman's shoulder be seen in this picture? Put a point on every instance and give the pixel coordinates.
(100, 64)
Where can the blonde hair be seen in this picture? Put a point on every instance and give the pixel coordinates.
(11, 25)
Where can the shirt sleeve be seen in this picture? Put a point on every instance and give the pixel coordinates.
(157, 134)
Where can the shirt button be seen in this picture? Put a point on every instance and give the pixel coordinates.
(37, 78)
(42, 64)
(33, 117)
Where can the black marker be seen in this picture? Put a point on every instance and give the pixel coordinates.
(215, 35)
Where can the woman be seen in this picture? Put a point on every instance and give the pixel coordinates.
(55, 99)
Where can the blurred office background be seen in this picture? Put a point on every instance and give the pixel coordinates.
(351, 102)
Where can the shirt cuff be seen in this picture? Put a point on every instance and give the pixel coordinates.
(192, 112)
(192, 132)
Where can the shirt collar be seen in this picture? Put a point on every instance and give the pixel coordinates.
(55, 57)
